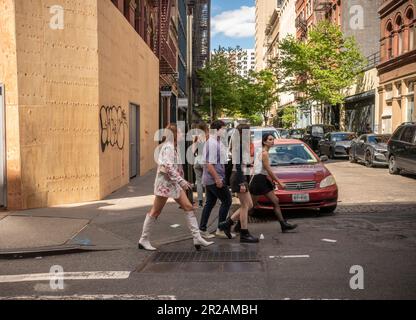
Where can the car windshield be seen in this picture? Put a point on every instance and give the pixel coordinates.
(258, 134)
(284, 132)
(378, 139)
(293, 132)
(343, 137)
(291, 154)
(317, 130)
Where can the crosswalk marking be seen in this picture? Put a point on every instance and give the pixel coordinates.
(94, 275)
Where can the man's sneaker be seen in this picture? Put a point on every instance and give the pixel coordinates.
(221, 234)
(206, 234)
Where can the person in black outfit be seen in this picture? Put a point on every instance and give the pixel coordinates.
(262, 183)
(239, 185)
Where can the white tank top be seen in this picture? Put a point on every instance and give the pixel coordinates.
(258, 165)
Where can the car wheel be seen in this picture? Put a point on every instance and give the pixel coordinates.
(368, 159)
(327, 210)
(393, 166)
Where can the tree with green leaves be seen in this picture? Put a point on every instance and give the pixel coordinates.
(322, 67)
(219, 82)
(258, 93)
(288, 116)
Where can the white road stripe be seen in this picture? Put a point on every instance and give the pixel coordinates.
(329, 240)
(94, 297)
(290, 256)
(95, 275)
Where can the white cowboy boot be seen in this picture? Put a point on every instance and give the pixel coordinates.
(193, 226)
(144, 242)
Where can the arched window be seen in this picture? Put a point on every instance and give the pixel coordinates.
(389, 35)
(399, 28)
(412, 31)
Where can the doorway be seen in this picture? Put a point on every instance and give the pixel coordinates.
(3, 180)
(134, 141)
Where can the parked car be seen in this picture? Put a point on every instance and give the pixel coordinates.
(306, 182)
(401, 149)
(370, 148)
(315, 133)
(283, 133)
(336, 144)
(296, 134)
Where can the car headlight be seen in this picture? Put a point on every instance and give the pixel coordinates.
(327, 182)
(380, 151)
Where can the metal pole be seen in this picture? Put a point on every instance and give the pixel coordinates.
(210, 105)
(189, 90)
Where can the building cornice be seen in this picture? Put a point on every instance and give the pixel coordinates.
(397, 62)
(389, 6)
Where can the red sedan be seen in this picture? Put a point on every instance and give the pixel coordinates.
(305, 181)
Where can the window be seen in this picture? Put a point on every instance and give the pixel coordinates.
(408, 134)
(379, 139)
(399, 25)
(411, 40)
(343, 137)
(291, 154)
(397, 133)
(389, 35)
(399, 89)
(410, 108)
(389, 92)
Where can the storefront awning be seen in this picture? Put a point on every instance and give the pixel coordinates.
(361, 96)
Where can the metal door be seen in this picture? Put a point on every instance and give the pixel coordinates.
(3, 179)
(134, 140)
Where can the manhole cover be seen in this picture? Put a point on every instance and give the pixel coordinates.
(207, 256)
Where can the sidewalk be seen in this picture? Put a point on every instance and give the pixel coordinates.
(109, 224)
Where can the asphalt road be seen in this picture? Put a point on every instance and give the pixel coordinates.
(374, 228)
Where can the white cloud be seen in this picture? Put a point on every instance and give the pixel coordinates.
(240, 23)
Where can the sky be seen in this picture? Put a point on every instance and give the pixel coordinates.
(232, 23)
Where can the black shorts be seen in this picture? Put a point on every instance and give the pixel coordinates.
(260, 185)
(235, 183)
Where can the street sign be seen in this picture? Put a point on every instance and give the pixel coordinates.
(167, 94)
(166, 91)
(183, 102)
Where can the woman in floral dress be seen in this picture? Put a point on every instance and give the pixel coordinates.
(170, 183)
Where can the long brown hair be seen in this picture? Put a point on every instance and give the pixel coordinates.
(171, 129)
(201, 125)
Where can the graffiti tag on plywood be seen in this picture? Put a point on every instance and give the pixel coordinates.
(113, 125)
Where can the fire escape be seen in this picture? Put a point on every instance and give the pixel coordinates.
(201, 47)
(323, 8)
(165, 48)
(200, 41)
(302, 26)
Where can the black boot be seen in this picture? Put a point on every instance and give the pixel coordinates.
(237, 227)
(246, 237)
(226, 227)
(287, 226)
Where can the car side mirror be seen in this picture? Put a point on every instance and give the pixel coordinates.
(324, 158)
